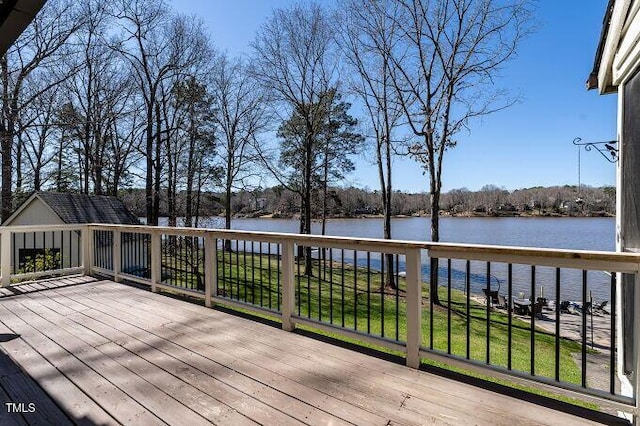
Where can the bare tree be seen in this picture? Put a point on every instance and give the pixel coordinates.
(241, 116)
(295, 62)
(38, 124)
(158, 46)
(41, 46)
(369, 36)
(445, 75)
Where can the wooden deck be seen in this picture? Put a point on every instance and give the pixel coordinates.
(96, 352)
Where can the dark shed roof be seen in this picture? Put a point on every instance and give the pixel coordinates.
(82, 208)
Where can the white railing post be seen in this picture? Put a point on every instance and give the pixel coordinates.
(414, 307)
(156, 266)
(116, 256)
(87, 249)
(5, 257)
(210, 269)
(288, 291)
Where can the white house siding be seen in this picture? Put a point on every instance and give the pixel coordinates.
(618, 73)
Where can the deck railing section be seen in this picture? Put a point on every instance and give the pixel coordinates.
(499, 310)
(30, 252)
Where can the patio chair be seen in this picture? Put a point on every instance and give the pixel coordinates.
(502, 302)
(564, 307)
(492, 297)
(537, 309)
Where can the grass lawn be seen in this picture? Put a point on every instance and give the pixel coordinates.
(347, 296)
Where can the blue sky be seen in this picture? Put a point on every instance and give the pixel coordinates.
(529, 144)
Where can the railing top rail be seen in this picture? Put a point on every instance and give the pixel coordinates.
(439, 249)
(465, 250)
(372, 244)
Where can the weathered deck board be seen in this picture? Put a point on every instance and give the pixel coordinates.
(290, 372)
(108, 353)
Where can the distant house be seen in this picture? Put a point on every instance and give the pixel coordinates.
(63, 247)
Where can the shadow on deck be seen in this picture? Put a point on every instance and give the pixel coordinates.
(80, 350)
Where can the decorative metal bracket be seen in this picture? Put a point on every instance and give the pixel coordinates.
(607, 149)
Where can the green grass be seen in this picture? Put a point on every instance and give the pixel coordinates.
(352, 299)
(348, 297)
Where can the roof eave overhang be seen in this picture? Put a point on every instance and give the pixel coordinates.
(16, 16)
(601, 76)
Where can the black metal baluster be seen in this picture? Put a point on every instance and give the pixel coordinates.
(321, 267)
(397, 281)
(230, 276)
(44, 249)
(222, 265)
(269, 278)
(612, 347)
(510, 314)
(237, 269)
(342, 287)
(449, 306)
(278, 293)
(331, 286)
(13, 256)
(433, 275)
(557, 343)
(244, 267)
(532, 309)
(261, 279)
(382, 288)
(468, 307)
(584, 329)
(369, 291)
(308, 274)
(62, 250)
(488, 339)
(355, 289)
(299, 294)
(253, 275)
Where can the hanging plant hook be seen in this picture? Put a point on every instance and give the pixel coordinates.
(608, 149)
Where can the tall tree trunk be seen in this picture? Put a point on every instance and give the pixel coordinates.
(435, 234)
(227, 206)
(198, 195)
(171, 193)
(390, 281)
(325, 186)
(59, 165)
(158, 168)
(150, 163)
(188, 217)
(308, 266)
(6, 145)
(19, 166)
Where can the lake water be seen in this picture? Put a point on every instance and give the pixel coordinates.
(565, 233)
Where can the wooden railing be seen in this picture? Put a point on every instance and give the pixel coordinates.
(378, 292)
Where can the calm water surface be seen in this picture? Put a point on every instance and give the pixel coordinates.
(569, 233)
(565, 233)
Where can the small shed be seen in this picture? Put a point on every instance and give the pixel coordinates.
(59, 249)
(56, 208)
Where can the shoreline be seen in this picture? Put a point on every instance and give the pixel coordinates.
(460, 215)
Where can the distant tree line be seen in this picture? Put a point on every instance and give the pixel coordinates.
(350, 202)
